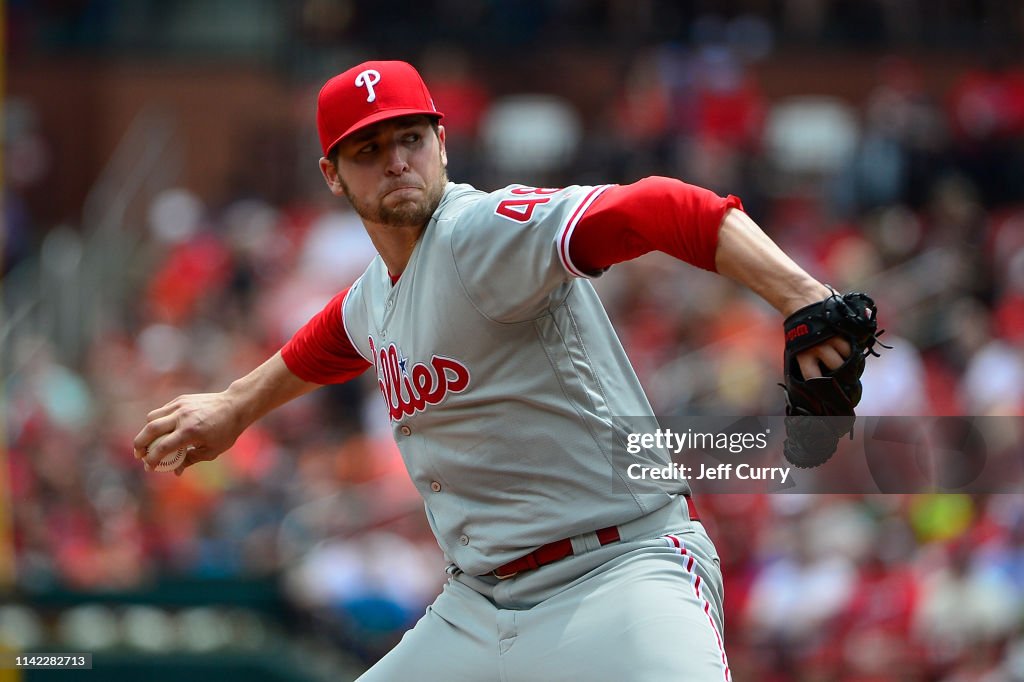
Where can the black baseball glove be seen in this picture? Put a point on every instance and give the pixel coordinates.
(820, 411)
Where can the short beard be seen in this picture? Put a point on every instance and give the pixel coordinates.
(405, 214)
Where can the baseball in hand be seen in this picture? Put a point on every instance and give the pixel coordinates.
(171, 461)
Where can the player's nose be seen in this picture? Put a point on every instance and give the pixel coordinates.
(397, 161)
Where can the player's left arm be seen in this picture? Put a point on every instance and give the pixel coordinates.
(749, 256)
(711, 232)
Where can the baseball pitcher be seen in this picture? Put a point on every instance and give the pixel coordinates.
(502, 377)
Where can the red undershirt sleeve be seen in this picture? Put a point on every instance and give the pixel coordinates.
(654, 214)
(321, 351)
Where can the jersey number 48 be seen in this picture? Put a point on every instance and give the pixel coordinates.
(520, 209)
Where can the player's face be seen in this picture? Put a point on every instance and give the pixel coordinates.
(393, 172)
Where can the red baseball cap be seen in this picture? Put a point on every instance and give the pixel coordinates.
(366, 94)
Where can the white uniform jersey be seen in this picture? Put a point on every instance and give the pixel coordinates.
(503, 377)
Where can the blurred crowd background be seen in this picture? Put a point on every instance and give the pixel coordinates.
(166, 229)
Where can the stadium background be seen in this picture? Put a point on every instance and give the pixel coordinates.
(166, 228)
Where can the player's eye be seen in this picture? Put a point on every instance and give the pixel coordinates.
(368, 148)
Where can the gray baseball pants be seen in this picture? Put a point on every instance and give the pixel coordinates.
(645, 609)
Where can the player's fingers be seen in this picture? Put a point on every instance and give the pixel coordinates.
(841, 345)
(163, 411)
(149, 432)
(829, 356)
(808, 365)
(170, 443)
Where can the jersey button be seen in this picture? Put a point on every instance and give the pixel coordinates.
(463, 539)
(435, 486)
(390, 303)
(406, 431)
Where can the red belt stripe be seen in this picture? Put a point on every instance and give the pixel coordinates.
(560, 549)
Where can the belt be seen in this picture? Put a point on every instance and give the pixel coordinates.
(560, 549)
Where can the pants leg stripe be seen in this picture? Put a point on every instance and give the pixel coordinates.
(695, 581)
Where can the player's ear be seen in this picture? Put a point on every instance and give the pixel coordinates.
(440, 141)
(330, 173)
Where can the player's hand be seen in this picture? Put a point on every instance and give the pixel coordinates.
(208, 423)
(830, 354)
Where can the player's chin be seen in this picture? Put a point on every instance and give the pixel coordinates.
(406, 214)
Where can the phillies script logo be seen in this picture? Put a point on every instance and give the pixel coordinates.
(409, 389)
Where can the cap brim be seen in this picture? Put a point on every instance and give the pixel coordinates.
(383, 116)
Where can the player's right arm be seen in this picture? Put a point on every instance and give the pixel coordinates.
(319, 353)
(211, 422)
